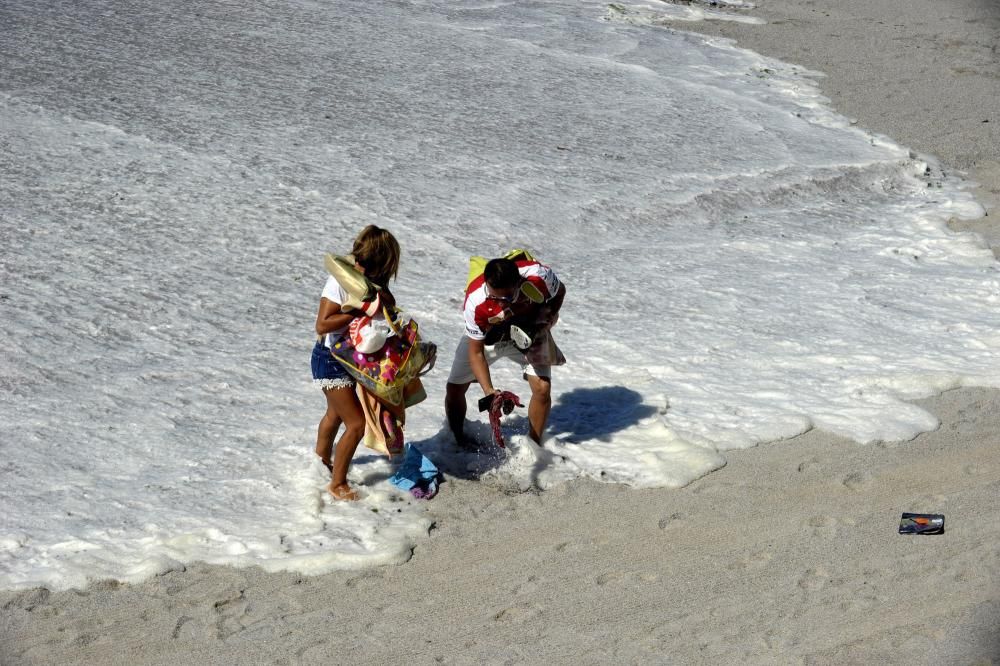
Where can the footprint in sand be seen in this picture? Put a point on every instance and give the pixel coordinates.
(527, 587)
(928, 504)
(781, 640)
(862, 603)
(858, 481)
(609, 577)
(775, 639)
(917, 641)
(814, 579)
(673, 521)
(712, 487)
(187, 629)
(28, 600)
(568, 547)
(366, 579)
(314, 654)
(519, 613)
(811, 465)
(823, 526)
(828, 526)
(231, 612)
(83, 640)
(756, 560)
(626, 577)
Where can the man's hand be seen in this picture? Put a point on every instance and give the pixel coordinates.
(486, 402)
(500, 317)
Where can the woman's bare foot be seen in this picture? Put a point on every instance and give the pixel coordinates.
(343, 492)
(327, 463)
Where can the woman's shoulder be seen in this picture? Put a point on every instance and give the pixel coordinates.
(332, 291)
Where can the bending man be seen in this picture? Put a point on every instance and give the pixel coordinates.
(509, 310)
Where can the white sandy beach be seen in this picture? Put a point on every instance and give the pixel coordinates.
(787, 555)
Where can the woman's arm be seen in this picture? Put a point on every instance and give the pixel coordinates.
(330, 317)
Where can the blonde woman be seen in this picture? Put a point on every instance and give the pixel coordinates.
(376, 254)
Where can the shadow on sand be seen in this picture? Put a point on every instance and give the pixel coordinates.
(596, 413)
(578, 416)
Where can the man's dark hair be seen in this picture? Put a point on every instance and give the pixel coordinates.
(501, 274)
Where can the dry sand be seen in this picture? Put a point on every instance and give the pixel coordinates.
(787, 555)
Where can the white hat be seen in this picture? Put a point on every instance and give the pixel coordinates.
(372, 336)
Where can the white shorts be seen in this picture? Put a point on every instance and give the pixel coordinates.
(461, 371)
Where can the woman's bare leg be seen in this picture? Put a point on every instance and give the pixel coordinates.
(345, 405)
(327, 431)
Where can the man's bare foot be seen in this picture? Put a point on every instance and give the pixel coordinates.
(463, 441)
(328, 464)
(343, 492)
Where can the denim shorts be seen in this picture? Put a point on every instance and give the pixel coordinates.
(327, 373)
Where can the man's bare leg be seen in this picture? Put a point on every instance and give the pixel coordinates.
(539, 406)
(455, 408)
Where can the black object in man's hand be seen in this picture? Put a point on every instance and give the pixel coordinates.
(486, 403)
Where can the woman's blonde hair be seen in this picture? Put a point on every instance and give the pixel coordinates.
(378, 252)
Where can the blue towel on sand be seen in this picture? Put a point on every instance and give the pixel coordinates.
(417, 473)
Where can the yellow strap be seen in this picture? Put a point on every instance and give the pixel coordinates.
(478, 264)
(388, 318)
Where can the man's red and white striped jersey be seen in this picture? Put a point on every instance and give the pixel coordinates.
(480, 307)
